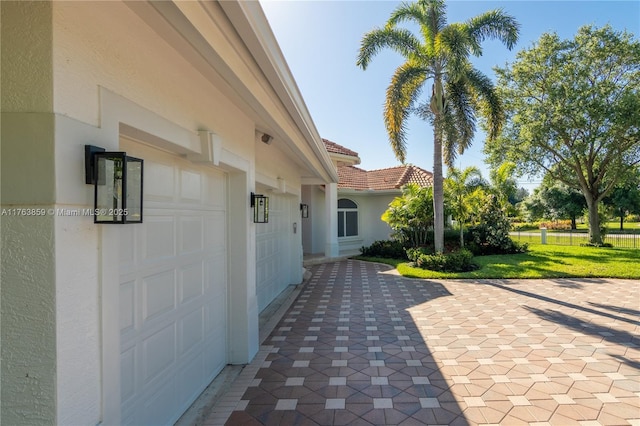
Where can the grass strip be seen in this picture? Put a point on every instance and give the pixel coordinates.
(542, 261)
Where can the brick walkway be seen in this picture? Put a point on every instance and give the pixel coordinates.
(361, 346)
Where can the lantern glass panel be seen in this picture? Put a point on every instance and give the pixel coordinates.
(261, 209)
(108, 207)
(133, 210)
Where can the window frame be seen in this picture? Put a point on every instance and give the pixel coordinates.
(343, 218)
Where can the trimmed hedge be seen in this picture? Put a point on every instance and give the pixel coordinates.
(456, 261)
(391, 249)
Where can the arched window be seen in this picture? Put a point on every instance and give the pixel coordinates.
(347, 218)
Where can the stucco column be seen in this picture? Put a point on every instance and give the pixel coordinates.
(28, 297)
(331, 249)
(244, 338)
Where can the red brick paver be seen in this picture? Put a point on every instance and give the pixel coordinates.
(361, 346)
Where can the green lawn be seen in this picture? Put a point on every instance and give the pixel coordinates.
(542, 261)
(613, 227)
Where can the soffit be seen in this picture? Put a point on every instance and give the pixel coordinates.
(232, 45)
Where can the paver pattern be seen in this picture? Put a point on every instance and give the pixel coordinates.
(361, 346)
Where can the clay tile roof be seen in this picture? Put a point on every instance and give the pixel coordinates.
(338, 149)
(352, 177)
(382, 179)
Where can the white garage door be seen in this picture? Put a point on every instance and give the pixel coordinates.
(272, 251)
(173, 289)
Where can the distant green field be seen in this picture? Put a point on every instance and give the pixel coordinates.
(613, 227)
(542, 261)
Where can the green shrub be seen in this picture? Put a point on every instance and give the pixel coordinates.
(596, 245)
(491, 235)
(457, 261)
(391, 249)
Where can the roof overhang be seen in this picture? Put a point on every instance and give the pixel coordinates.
(241, 56)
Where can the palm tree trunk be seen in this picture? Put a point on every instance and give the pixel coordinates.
(436, 104)
(438, 191)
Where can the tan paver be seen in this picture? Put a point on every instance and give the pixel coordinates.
(363, 347)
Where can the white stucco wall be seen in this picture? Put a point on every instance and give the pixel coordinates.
(92, 68)
(371, 228)
(28, 320)
(105, 44)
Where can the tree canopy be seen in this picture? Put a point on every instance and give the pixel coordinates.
(439, 53)
(573, 112)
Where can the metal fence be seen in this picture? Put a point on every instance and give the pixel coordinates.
(573, 238)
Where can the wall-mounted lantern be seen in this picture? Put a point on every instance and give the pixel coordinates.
(304, 210)
(260, 205)
(118, 185)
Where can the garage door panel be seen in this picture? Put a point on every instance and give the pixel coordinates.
(127, 303)
(191, 282)
(216, 277)
(214, 190)
(158, 352)
(215, 360)
(158, 292)
(161, 405)
(190, 374)
(127, 375)
(191, 232)
(173, 293)
(127, 248)
(272, 240)
(215, 239)
(158, 235)
(159, 181)
(190, 187)
(191, 331)
(215, 313)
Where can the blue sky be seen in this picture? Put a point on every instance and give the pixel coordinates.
(320, 41)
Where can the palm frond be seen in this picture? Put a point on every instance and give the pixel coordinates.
(436, 14)
(407, 12)
(405, 87)
(494, 24)
(397, 39)
(454, 44)
(461, 109)
(491, 105)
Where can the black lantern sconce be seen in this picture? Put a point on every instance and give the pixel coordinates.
(118, 183)
(304, 210)
(260, 205)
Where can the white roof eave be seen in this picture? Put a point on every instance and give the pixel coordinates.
(253, 27)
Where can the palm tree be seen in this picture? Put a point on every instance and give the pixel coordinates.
(460, 185)
(458, 89)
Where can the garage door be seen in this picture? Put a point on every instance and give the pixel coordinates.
(173, 289)
(272, 251)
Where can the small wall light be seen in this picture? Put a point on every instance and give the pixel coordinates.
(118, 182)
(304, 210)
(260, 205)
(266, 138)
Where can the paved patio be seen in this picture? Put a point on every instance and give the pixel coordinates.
(361, 346)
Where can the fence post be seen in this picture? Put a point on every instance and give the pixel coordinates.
(543, 235)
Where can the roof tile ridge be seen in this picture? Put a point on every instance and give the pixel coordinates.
(402, 180)
(388, 168)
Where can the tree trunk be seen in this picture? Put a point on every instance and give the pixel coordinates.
(461, 236)
(573, 223)
(437, 105)
(621, 220)
(595, 237)
(438, 192)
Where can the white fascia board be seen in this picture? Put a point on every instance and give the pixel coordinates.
(346, 160)
(253, 27)
(372, 192)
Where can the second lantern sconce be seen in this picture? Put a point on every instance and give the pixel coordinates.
(260, 205)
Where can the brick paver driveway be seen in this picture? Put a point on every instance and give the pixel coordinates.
(361, 346)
